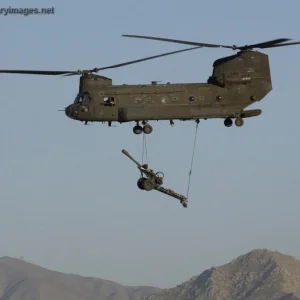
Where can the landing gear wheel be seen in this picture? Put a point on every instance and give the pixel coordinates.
(239, 122)
(148, 185)
(137, 129)
(147, 129)
(228, 122)
(140, 183)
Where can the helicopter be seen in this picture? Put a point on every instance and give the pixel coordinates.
(236, 82)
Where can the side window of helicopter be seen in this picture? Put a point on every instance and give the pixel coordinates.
(109, 101)
(192, 99)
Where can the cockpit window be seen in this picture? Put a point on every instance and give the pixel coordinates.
(78, 99)
(83, 98)
(86, 98)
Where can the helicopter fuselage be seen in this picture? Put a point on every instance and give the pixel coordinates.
(237, 82)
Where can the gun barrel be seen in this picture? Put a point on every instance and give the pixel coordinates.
(131, 158)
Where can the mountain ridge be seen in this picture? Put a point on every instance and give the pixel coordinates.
(257, 275)
(22, 280)
(260, 274)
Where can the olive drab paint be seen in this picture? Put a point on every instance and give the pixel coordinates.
(236, 82)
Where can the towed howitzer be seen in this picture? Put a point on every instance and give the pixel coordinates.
(154, 180)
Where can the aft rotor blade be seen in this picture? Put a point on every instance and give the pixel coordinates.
(36, 72)
(177, 41)
(263, 45)
(144, 59)
(281, 45)
(267, 44)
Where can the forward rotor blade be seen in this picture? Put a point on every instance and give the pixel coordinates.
(36, 72)
(144, 59)
(95, 70)
(177, 41)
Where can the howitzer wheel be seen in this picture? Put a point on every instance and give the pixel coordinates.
(148, 185)
(140, 183)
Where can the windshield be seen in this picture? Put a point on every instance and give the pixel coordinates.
(83, 98)
(78, 99)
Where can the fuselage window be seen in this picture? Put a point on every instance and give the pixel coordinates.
(109, 101)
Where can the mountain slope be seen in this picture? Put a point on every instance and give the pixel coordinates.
(260, 274)
(20, 280)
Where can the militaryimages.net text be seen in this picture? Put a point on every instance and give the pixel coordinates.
(8, 11)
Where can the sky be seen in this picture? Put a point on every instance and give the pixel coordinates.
(69, 200)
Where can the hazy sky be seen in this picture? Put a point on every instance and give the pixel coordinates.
(69, 199)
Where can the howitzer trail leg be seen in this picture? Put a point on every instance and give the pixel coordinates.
(169, 192)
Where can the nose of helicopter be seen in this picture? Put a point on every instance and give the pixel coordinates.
(70, 112)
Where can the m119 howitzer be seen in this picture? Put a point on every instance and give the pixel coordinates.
(154, 180)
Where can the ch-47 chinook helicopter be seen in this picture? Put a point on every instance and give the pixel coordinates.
(236, 82)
